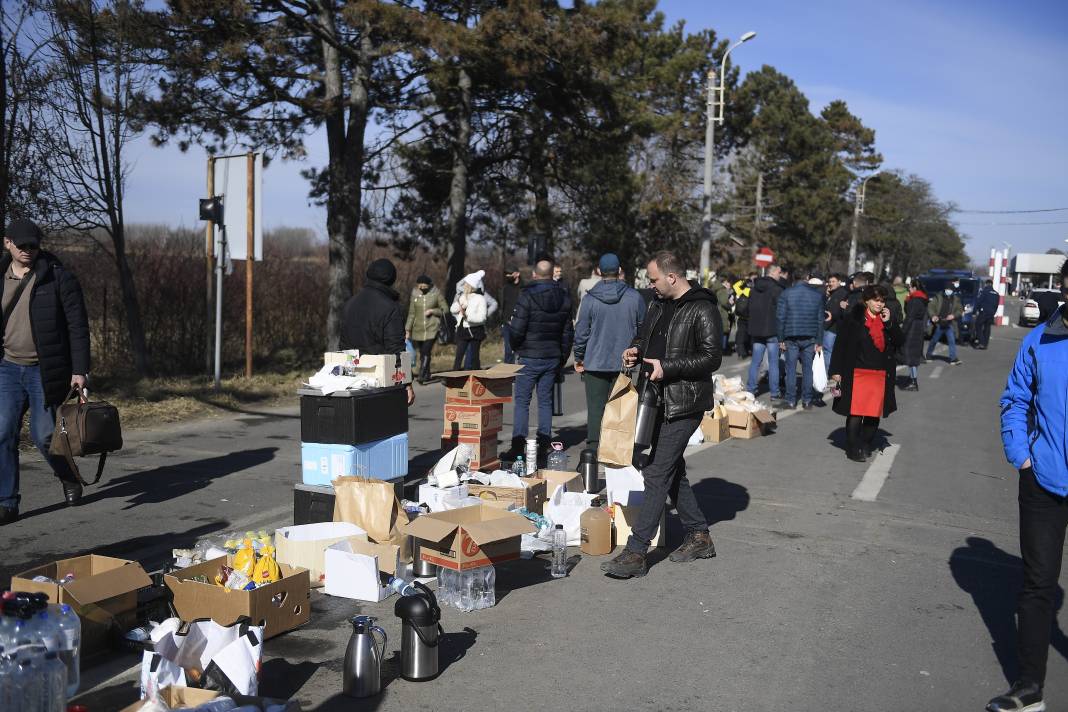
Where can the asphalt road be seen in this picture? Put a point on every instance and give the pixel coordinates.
(817, 600)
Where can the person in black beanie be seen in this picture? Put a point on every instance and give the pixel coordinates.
(372, 320)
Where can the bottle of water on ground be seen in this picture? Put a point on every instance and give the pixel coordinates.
(519, 469)
(54, 683)
(70, 630)
(402, 587)
(558, 568)
(469, 590)
(557, 458)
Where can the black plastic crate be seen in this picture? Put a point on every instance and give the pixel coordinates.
(312, 504)
(353, 417)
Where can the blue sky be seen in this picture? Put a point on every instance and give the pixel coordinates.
(972, 96)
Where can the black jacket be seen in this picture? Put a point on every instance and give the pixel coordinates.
(373, 321)
(834, 306)
(541, 323)
(914, 328)
(59, 323)
(763, 304)
(694, 341)
(855, 349)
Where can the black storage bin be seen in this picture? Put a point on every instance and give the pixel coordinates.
(312, 504)
(353, 417)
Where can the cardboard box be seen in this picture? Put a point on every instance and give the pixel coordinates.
(532, 496)
(290, 610)
(305, 546)
(623, 518)
(746, 425)
(716, 428)
(434, 497)
(384, 368)
(489, 385)
(484, 449)
(180, 698)
(624, 485)
(104, 590)
(572, 481)
(473, 420)
(467, 538)
(353, 569)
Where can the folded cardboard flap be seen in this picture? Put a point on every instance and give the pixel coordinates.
(500, 370)
(483, 533)
(303, 545)
(432, 527)
(572, 481)
(483, 523)
(388, 555)
(119, 580)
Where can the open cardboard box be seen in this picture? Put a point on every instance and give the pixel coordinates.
(305, 545)
(746, 425)
(572, 481)
(386, 369)
(470, 537)
(277, 607)
(179, 698)
(623, 518)
(715, 426)
(532, 496)
(472, 420)
(103, 594)
(481, 387)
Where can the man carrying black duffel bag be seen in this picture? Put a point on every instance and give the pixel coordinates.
(45, 352)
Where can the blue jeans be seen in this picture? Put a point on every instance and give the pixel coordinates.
(951, 340)
(540, 374)
(509, 355)
(829, 338)
(21, 390)
(771, 346)
(806, 349)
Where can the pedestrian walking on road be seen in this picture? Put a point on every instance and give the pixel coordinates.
(764, 330)
(837, 291)
(608, 320)
(742, 292)
(471, 310)
(945, 310)
(45, 352)
(1034, 413)
(725, 300)
(426, 309)
(513, 286)
(679, 346)
(864, 370)
(799, 317)
(986, 308)
(914, 329)
(542, 335)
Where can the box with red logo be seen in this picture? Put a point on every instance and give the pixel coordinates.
(483, 449)
(473, 420)
(461, 539)
(481, 387)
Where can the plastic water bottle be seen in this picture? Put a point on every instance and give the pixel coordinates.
(559, 563)
(557, 458)
(7, 681)
(46, 630)
(29, 687)
(54, 683)
(70, 633)
(402, 587)
(518, 468)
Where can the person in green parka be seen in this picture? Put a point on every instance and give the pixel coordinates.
(426, 309)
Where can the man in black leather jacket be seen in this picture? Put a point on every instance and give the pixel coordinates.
(680, 347)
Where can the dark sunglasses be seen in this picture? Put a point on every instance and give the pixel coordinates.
(27, 248)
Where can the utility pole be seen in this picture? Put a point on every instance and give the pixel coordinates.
(759, 215)
(706, 203)
(858, 210)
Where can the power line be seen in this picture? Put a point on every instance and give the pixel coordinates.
(1010, 212)
(1062, 222)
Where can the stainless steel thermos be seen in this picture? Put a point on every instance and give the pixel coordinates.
(648, 412)
(363, 659)
(420, 633)
(588, 469)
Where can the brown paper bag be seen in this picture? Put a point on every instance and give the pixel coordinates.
(372, 505)
(616, 447)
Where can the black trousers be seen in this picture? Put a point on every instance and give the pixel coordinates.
(742, 346)
(982, 325)
(1043, 519)
(860, 431)
(426, 351)
(469, 338)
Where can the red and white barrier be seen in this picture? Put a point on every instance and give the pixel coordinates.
(998, 272)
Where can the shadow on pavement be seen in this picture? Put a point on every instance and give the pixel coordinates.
(720, 500)
(993, 577)
(163, 484)
(837, 438)
(282, 679)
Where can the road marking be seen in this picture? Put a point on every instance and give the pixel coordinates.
(937, 372)
(875, 477)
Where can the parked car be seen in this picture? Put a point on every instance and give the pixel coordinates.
(1039, 306)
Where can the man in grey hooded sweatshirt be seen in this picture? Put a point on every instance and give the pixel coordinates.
(608, 319)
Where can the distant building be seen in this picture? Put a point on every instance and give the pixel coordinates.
(1035, 270)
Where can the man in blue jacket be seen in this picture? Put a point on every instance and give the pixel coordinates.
(608, 320)
(1034, 413)
(542, 334)
(799, 316)
(986, 308)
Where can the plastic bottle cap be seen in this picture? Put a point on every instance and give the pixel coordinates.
(559, 526)
(64, 608)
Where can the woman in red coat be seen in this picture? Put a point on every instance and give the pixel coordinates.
(864, 368)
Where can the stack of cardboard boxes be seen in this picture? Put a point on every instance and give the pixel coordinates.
(474, 411)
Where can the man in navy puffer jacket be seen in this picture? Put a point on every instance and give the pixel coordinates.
(799, 317)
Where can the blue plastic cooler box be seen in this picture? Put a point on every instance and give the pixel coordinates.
(382, 460)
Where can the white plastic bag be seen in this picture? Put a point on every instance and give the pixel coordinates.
(819, 373)
(229, 656)
(566, 508)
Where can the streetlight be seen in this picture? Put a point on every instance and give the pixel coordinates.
(714, 114)
(858, 210)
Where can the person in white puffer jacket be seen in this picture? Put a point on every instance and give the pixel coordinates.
(471, 311)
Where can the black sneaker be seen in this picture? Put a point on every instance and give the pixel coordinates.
(955, 362)
(629, 564)
(1021, 697)
(806, 406)
(8, 515)
(696, 545)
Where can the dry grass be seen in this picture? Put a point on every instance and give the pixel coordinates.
(492, 352)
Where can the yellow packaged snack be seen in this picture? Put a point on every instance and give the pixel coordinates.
(266, 568)
(245, 558)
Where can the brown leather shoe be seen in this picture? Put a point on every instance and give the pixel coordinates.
(696, 545)
(629, 564)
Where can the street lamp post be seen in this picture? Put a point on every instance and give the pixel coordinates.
(858, 210)
(715, 102)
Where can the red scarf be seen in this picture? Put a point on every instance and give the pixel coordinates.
(874, 322)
